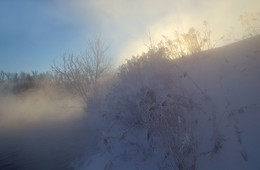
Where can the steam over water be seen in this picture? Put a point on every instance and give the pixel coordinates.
(40, 130)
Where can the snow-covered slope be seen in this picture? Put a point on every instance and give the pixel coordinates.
(231, 78)
(197, 112)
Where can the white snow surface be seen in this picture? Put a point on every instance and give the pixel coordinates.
(223, 85)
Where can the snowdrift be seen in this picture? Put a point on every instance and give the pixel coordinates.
(196, 112)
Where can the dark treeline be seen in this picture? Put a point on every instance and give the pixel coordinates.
(20, 82)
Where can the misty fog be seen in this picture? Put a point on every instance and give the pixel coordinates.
(123, 85)
(42, 129)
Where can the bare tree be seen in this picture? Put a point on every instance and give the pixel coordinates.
(95, 59)
(2, 76)
(83, 71)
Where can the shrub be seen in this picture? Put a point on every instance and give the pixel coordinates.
(151, 113)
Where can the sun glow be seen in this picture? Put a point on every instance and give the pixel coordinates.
(127, 23)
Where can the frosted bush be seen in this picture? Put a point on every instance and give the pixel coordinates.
(152, 115)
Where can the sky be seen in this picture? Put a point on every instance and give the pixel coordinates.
(35, 33)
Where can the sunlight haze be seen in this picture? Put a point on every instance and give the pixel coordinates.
(33, 34)
(127, 23)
